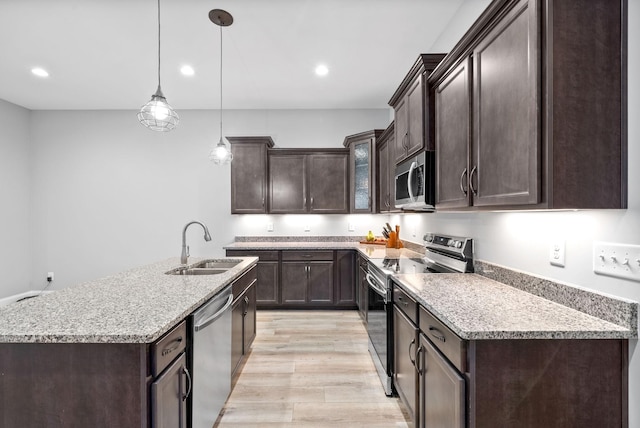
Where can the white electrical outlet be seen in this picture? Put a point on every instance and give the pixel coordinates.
(352, 227)
(307, 228)
(269, 227)
(49, 276)
(556, 253)
(619, 260)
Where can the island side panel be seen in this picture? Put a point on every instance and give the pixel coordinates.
(550, 383)
(73, 385)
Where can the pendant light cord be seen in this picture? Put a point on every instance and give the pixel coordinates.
(220, 82)
(158, 43)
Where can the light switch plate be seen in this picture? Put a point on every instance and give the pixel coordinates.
(352, 227)
(617, 260)
(556, 253)
(269, 227)
(307, 228)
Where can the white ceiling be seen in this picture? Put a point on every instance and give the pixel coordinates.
(102, 54)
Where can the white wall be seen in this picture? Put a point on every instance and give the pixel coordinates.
(14, 199)
(109, 194)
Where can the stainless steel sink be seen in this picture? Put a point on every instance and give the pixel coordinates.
(206, 267)
(196, 271)
(217, 264)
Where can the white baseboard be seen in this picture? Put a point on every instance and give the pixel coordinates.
(14, 298)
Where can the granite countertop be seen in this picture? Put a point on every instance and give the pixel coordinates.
(135, 306)
(475, 308)
(371, 251)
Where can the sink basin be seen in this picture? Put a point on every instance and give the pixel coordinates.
(196, 271)
(206, 267)
(217, 264)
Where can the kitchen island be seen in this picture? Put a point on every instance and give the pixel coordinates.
(104, 353)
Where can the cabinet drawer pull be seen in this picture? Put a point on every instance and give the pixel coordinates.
(166, 351)
(403, 302)
(413, 361)
(437, 334)
(474, 170)
(465, 191)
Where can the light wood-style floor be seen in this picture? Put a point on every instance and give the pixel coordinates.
(310, 369)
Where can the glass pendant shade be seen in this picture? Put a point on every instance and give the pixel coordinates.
(157, 114)
(221, 153)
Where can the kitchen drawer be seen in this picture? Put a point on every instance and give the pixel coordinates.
(305, 256)
(261, 254)
(446, 341)
(241, 284)
(168, 347)
(406, 304)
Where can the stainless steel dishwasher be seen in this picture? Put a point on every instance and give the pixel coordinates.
(211, 359)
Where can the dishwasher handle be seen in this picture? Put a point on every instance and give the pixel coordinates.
(215, 316)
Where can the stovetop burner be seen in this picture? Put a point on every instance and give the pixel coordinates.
(443, 254)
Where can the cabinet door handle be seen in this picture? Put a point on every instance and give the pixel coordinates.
(437, 334)
(312, 202)
(419, 360)
(186, 372)
(246, 305)
(413, 342)
(465, 191)
(169, 349)
(400, 300)
(474, 170)
(262, 202)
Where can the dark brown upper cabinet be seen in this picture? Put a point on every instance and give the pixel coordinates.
(362, 148)
(530, 108)
(308, 181)
(249, 174)
(385, 171)
(412, 107)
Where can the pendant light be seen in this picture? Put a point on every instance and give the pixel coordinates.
(221, 153)
(157, 114)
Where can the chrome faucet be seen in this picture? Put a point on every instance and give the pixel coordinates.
(185, 248)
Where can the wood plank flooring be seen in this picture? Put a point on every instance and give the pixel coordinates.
(310, 369)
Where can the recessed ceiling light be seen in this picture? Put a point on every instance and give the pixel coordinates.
(322, 70)
(187, 70)
(40, 72)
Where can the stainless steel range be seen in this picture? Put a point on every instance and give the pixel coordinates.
(443, 254)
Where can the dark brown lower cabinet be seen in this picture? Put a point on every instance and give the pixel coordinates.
(307, 282)
(169, 396)
(243, 319)
(304, 278)
(345, 278)
(405, 376)
(441, 389)
(268, 275)
(445, 381)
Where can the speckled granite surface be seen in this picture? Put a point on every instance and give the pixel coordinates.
(614, 309)
(135, 306)
(475, 307)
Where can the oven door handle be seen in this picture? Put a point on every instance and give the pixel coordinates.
(373, 284)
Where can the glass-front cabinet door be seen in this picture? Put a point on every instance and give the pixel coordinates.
(362, 147)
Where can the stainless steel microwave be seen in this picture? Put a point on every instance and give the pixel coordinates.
(415, 185)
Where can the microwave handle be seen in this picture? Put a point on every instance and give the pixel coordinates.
(413, 166)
